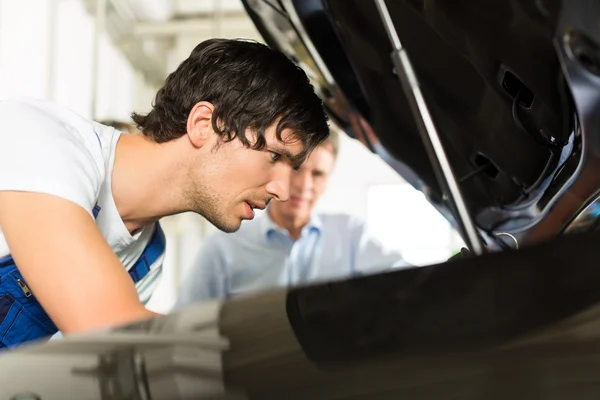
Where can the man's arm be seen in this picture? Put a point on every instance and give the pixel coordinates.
(67, 264)
(206, 278)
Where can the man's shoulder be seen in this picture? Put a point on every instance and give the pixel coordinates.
(33, 107)
(24, 117)
(48, 123)
(338, 219)
(51, 150)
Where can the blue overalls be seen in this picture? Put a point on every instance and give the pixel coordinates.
(23, 319)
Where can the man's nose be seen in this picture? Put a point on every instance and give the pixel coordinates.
(301, 182)
(279, 186)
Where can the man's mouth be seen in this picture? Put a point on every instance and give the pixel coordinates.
(256, 205)
(251, 206)
(296, 199)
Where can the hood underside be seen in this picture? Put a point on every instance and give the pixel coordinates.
(489, 72)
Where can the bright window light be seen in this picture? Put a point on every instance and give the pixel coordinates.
(403, 219)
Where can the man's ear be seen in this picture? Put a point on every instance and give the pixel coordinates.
(199, 123)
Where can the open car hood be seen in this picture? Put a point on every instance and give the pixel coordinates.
(500, 79)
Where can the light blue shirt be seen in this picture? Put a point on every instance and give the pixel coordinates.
(260, 255)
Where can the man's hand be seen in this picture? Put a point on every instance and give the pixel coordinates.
(67, 264)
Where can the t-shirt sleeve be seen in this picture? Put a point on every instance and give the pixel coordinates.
(41, 153)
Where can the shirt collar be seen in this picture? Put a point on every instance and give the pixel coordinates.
(268, 227)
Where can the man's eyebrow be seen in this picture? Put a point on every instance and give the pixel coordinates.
(296, 159)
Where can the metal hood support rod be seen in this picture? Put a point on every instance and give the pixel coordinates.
(431, 139)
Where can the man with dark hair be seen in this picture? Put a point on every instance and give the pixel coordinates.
(80, 243)
(289, 245)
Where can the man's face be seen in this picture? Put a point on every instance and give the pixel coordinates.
(307, 185)
(230, 180)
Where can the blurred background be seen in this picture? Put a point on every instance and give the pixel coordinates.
(107, 58)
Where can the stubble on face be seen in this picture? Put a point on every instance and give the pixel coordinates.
(229, 175)
(203, 200)
(202, 196)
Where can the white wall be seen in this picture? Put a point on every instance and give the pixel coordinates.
(49, 54)
(24, 61)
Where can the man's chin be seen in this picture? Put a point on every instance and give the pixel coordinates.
(230, 228)
(226, 226)
(296, 212)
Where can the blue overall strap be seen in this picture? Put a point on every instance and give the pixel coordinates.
(155, 248)
(22, 318)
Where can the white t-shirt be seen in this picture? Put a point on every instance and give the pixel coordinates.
(47, 148)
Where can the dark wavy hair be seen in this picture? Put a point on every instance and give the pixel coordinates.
(251, 87)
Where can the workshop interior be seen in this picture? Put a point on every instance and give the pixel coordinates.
(469, 142)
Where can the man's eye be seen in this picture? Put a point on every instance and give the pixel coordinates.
(275, 157)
